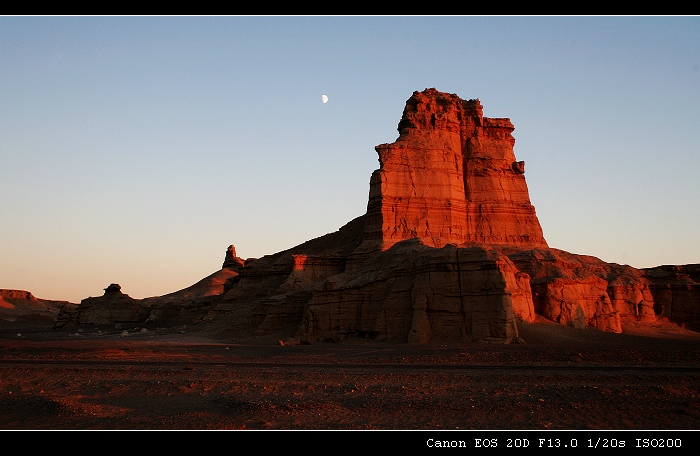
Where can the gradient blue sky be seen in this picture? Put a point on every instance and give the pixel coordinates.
(136, 149)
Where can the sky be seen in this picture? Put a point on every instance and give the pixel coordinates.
(135, 150)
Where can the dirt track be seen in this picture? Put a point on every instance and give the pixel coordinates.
(562, 379)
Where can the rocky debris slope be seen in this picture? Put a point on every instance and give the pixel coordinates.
(450, 249)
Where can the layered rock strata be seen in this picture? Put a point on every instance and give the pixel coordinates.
(676, 292)
(450, 177)
(417, 294)
(584, 291)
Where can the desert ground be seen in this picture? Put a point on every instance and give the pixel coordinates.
(195, 378)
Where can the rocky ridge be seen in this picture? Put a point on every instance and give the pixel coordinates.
(22, 306)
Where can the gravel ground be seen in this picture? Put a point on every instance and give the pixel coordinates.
(561, 379)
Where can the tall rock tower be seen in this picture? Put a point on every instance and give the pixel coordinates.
(451, 177)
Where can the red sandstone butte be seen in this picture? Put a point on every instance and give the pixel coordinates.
(450, 177)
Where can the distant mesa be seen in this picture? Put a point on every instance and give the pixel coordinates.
(20, 306)
(449, 249)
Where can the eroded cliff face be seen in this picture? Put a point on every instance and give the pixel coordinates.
(418, 293)
(450, 249)
(450, 177)
(584, 291)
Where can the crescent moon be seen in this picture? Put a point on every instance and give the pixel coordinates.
(324, 98)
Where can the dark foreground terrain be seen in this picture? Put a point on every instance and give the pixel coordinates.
(562, 378)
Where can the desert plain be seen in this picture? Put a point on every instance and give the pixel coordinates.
(195, 378)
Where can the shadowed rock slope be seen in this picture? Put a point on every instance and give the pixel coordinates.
(450, 249)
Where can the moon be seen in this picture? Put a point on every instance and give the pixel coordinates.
(324, 98)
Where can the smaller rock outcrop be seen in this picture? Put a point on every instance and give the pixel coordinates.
(113, 307)
(584, 291)
(231, 261)
(113, 288)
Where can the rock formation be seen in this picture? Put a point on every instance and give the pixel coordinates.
(451, 177)
(450, 249)
(113, 307)
(418, 293)
(676, 293)
(231, 261)
(23, 306)
(584, 291)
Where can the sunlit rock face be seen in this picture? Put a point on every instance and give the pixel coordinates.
(584, 291)
(450, 177)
